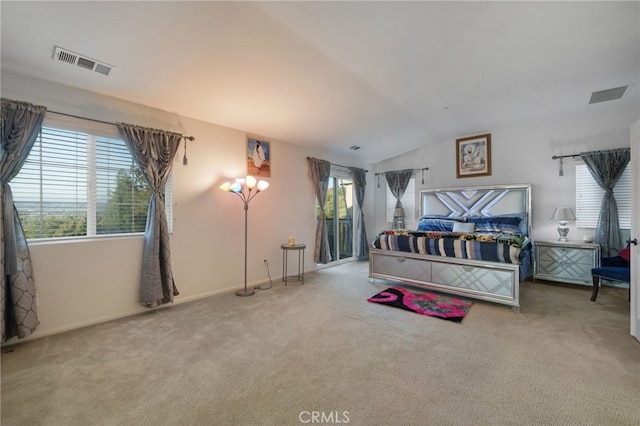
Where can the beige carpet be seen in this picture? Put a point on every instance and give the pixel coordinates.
(288, 354)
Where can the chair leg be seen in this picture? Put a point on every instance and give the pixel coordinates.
(596, 286)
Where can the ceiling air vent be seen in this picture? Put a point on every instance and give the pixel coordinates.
(607, 95)
(72, 58)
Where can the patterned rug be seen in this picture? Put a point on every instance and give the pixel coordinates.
(433, 305)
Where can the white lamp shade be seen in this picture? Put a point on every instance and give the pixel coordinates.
(563, 213)
(262, 185)
(250, 182)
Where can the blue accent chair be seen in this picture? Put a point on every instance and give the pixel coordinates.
(611, 268)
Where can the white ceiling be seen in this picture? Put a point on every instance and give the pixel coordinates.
(386, 76)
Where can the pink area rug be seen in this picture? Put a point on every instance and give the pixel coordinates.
(433, 305)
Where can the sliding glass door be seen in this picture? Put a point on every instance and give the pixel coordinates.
(338, 208)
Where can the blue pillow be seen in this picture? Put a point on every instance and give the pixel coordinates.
(508, 224)
(435, 225)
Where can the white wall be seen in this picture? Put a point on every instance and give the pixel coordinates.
(85, 282)
(522, 154)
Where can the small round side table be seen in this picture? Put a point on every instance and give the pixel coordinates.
(286, 248)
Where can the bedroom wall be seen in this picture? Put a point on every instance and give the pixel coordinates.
(521, 153)
(89, 281)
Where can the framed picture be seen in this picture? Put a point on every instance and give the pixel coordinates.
(258, 158)
(473, 156)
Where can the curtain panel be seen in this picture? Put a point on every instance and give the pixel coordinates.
(153, 151)
(398, 181)
(20, 124)
(320, 171)
(606, 167)
(359, 185)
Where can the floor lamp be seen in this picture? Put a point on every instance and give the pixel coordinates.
(244, 188)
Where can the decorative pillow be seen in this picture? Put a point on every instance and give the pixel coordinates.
(625, 253)
(508, 224)
(435, 225)
(463, 227)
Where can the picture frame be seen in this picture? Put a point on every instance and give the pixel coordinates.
(258, 157)
(473, 156)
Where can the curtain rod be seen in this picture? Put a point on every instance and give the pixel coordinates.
(81, 118)
(339, 165)
(555, 157)
(415, 170)
(190, 138)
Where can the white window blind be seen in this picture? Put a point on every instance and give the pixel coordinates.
(408, 201)
(589, 198)
(80, 180)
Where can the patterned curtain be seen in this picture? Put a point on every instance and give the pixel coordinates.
(20, 124)
(398, 181)
(606, 167)
(154, 151)
(359, 185)
(320, 170)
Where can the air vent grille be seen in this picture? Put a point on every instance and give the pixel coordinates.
(103, 69)
(67, 57)
(86, 63)
(607, 95)
(72, 58)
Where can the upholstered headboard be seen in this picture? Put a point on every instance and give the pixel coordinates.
(484, 201)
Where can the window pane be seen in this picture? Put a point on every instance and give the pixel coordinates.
(122, 194)
(589, 198)
(50, 190)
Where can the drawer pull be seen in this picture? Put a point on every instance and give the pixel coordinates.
(400, 259)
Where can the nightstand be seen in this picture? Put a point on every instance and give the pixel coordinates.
(285, 260)
(568, 262)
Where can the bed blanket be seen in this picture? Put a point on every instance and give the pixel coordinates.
(493, 247)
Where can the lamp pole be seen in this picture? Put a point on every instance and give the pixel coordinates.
(245, 292)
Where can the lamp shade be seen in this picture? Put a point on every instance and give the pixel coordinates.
(250, 182)
(236, 187)
(563, 213)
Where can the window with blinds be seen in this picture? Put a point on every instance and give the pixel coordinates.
(80, 180)
(589, 198)
(408, 201)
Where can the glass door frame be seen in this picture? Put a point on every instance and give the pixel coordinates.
(337, 180)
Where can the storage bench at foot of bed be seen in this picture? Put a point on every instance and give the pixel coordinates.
(491, 281)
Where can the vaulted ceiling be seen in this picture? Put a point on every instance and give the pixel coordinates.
(386, 76)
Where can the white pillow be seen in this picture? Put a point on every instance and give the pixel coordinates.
(463, 227)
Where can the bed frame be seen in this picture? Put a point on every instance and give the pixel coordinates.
(483, 280)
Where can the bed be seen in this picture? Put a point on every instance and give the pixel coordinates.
(471, 242)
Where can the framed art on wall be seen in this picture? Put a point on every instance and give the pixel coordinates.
(473, 156)
(258, 158)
